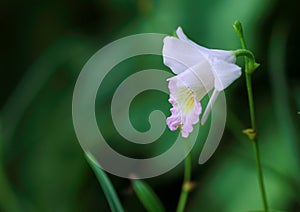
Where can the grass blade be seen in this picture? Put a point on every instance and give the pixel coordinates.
(106, 185)
(147, 196)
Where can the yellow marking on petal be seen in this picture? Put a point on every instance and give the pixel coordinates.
(190, 103)
(184, 98)
(180, 126)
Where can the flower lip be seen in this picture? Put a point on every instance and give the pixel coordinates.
(186, 107)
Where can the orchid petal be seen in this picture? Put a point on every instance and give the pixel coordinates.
(183, 37)
(199, 78)
(225, 73)
(179, 55)
(212, 53)
(208, 108)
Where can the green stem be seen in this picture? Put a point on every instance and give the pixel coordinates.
(255, 143)
(250, 67)
(186, 186)
(250, 100)
(260, 174)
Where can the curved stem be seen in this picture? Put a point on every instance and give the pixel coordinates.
(250, 66)
(244, 52)
(249, 59)
(186, 186)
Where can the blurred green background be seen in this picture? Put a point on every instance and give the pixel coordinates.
(46, 43)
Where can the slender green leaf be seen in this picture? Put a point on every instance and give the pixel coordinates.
(270, 210)
(106, 185)
(8, 199)
(147, 196)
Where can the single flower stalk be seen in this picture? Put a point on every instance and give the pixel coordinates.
(198, 71)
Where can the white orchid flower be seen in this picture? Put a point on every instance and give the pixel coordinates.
(198, 71)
